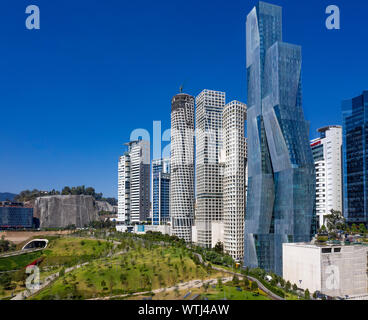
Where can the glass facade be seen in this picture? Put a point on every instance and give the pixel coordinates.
(281, 174)
(355, 158)
(15, 217)
(160, 192)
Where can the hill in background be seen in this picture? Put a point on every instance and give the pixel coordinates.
(7, 196)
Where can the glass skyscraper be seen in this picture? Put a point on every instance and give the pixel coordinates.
(355, 157)
(160, 191)
(281, 174)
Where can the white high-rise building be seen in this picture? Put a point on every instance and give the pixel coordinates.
(234, 156)
(134, 184)
(182, 166)
(327, 153)
(209, 172)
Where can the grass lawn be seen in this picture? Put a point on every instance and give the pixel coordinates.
(139, 269)
(60, 252)
(18, 262)
(231, 293)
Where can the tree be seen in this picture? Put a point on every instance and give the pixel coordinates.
(295, 287)
(246, 272)
(246, 282)
(5, 280)
(362, 229)
(254, 286)
(219, 282)
(219, 247)
(315, 295)
(235, 280)
(335, 221)
(282, 282)
(322, 230)
(354, 229)
(288, 286)
(66, 191)
(307, 294)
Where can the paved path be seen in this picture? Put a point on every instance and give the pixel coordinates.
(181, 286)
(27, 293)
(19, 252)
(260, 285)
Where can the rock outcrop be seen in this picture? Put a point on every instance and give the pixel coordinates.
(62, 211)
(106, 207)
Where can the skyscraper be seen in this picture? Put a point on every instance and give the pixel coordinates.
(355, 155)
(182, 166)
(209, 172)
(235, 180)
(327, 154)
(281, 182)
(160, 191)
(134, 183)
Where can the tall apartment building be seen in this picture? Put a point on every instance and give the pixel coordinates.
(327, 154)
(160, 191)
(182, 166)
(281, 174)
(235, 180)
(134, 183)
(355, 158)
(209, 173)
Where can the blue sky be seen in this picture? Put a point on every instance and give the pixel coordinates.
(72, 92)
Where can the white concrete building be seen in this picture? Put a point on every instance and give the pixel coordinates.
(217, 233)
(235, 179)
(182, 166)
(334, 270)
(327, 153)
(134, 184)
(209, 172)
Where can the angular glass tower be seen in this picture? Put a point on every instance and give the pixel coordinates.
(281, 174)
(355, 154)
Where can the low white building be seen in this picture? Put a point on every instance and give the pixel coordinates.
(334, 270)
(217, 233)
(143, 228)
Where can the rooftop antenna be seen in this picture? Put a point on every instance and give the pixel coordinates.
(181, 87)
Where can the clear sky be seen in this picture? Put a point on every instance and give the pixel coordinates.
(72, 92)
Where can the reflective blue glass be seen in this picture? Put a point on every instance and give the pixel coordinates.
(281, 174)
(355, 158)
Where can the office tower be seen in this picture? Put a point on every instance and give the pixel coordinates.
(182, 166)
(160, 191)
(134, 183)
(327, 156)
(281, 175)
(209, 173)
(235, 180)
(355, 158)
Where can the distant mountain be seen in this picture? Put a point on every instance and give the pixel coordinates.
(7, 196)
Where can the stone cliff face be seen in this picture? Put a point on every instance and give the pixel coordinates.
(105, 206)
(62, 211)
